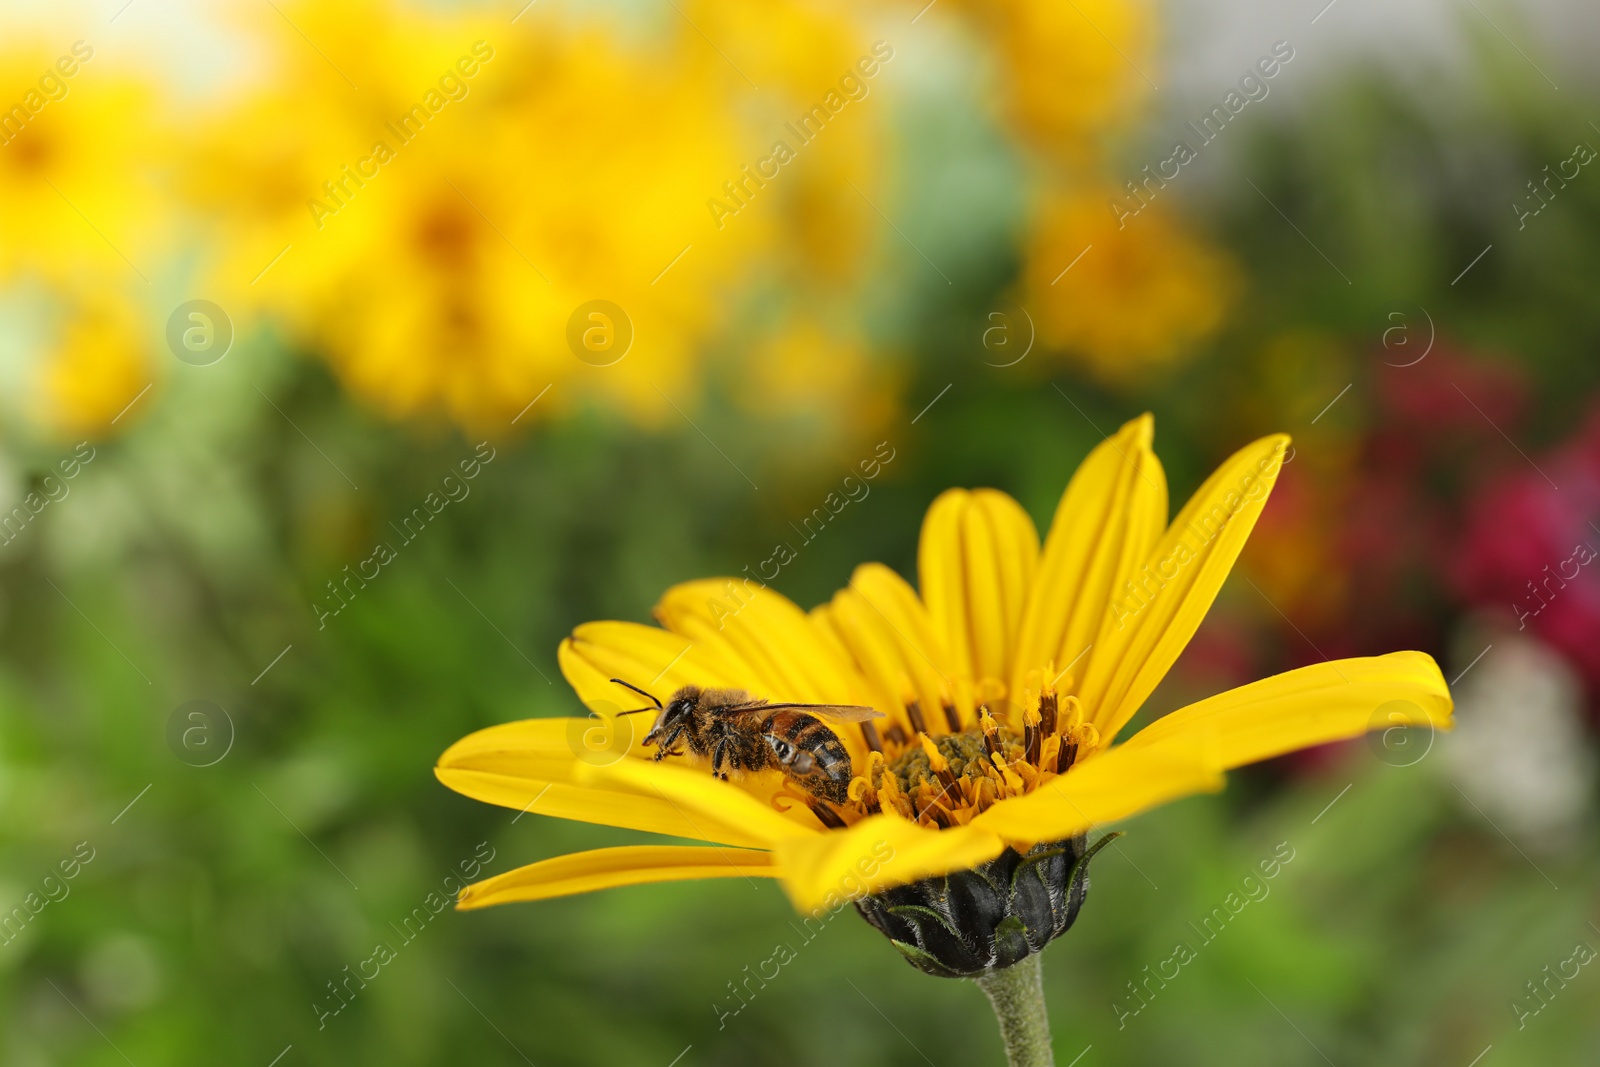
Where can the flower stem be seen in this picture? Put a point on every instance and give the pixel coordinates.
(1017, 995)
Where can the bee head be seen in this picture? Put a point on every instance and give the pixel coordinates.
(679, 710)
(796, 760)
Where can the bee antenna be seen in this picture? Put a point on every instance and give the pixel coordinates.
(636, 711)
(641, 692)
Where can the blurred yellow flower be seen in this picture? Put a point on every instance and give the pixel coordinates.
(101, 365)
(83, 217)
(76, 167)
(437, 233)
(1070, 72)
(1122, 301)
(1073, 78)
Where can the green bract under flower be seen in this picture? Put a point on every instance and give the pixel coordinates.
(975, 922)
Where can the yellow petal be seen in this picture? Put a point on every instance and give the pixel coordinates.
(649, 657)
(784, 655)
(1110, 516)
(584, 872)
(714, 807)
(940, 575)
(828, 630)
(878, 852)
(587, 803)
(893, 641)
(539, 767)
(1113, 785)
(542, 749)
(1311, 706)
(874, 658)
(976, 561)
(1151, 623)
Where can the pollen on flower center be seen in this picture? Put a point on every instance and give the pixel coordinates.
(943, 781)
(961, 754)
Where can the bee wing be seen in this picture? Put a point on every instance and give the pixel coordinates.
(825, 712)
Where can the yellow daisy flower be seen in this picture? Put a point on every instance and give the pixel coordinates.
(445, 230)
(1142, 292)
(1002, 688)
(1070, 75)
(101, 363)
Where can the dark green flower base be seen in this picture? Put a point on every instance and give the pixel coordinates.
(972, 923)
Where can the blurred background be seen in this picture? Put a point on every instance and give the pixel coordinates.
(666, 272)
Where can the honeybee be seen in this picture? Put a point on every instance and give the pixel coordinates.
(737, 732)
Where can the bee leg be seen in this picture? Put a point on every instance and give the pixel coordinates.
(718, 756)
(665, 748)
(826, 815)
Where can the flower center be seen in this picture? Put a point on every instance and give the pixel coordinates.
(965, 753)
(945, 781)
